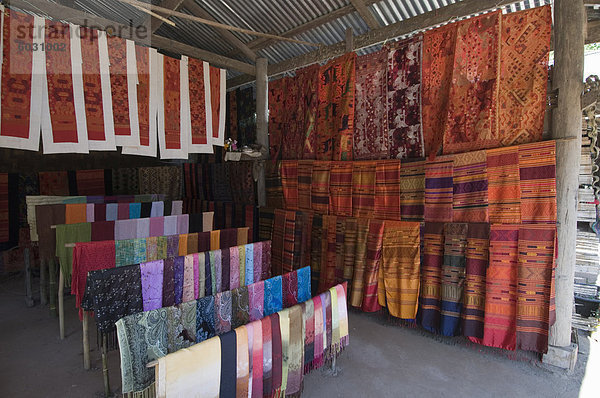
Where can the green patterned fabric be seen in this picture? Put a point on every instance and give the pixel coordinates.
(70, 233)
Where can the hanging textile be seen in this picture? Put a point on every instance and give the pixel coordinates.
(96, 88)
(370, 131)
(4, 209)
(305, 168)
(470, 194)
(316, 237)
(412, 189)
(387, 190)
(438, 63)
(328, 253)
(335, 126)
(363, 188)
(293, 144)
(453, 277)
(360, 257)
(273, 186)
(472, 121)
(246, 116)
(524, 48)
(439, 189)
(22, 81)
(54, 183)
(405, 134)
(501, 287)
(289, 242)
(232, 122)
(121, 54)
(218, 85)
(340, 188)
(90, 182)
(504, 189)
(320, 187)
(145, 96)
(400, 266)
(173, 120)
(277, 92)
(199, 103)
(165, 179)
(534, 284)
(308, 84)
(373, 262)
(474, 290)
(430, 293)
(289, 182)
(537, 170)
(64, 128)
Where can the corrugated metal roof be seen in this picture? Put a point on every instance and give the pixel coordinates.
(275, 16)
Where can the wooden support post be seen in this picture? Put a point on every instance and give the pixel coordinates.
(43, 282)
(349, 40)
(28, 291)
(86, 341)
(105, 365)
(262, 122)
(52, 285)
(569, 34)
(61, 306)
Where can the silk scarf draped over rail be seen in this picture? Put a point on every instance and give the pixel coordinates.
(453, 277)
(335, 126)
(439, 189)
(475, 279)
(340, 188)
(387, 190)
(404, 99)
(370, 130)
(363, 188)
(431, 273)
(412, 190)
(470, 193)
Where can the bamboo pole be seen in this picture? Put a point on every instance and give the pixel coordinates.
(61, 307)
(105, 365)
(204, 21)
(52, 285)
(43, 282)
(86, 341)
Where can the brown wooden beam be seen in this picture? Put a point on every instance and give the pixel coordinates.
(156, 23)
(365, 13)
(82, 18)
(195, 9)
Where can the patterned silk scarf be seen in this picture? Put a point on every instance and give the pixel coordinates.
(360, 258)
(470, 194)
(373, 262)
(474, 291)
(453, 277)
(363, 188)
(289, 182)
(340, 188)
(439, 189)
(431, 274)
(320, 187)
(387, 190)
(412, 189)
(537, 169)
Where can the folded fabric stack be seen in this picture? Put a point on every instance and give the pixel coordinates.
(149, 335)
(265, 358)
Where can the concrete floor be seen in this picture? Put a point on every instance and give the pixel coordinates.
(382, 360)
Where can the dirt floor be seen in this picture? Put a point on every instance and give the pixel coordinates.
(383, 360)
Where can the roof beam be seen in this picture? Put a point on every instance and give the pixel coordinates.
(261, 42)
(63, 13)
(377, 36)
(195, 9)
(156, 23)
(365, 13)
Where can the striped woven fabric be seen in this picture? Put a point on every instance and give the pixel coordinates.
(298, 232)
(265, 224)
(453, 277)
(469, 198)
(349, 248)
(4, 208)
(304, 184)
(316, 238)
(90, 182)
(474, 293)
(431, 274)
(289, 241)
(340, 232)
(536, 260)
(320, 187)
(363, 189)
(328, 253)
(277, 244)
(400, 265)
(360, 261)
(412, 189)
(387, 190)
(273, 185)
(501, 287)
(289, 183)
(340, 189)
(504, 195)
(373, 261)
(438, 189)
(537, 169)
